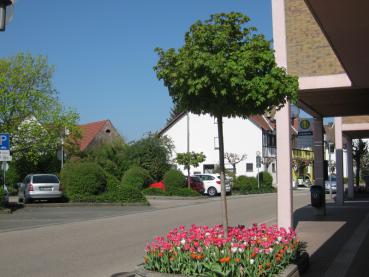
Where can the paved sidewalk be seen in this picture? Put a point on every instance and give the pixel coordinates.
(338, 243)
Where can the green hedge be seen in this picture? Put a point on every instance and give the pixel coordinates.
(174, 191)
(137, 177)
(88, 182)
(245, 183)
(112, 183)
(174, 179)
(266, 179)
(249, 185)
(124, 195)
(83, 178)
(2, 195)
(153, 191)
(177, 191)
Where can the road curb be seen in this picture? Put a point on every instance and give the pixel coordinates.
(5, 211)
(83, 204)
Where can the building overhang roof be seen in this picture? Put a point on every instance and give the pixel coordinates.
(346, 26)
(335, 101)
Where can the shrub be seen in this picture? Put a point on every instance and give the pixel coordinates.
(178, 191)
(112, 183)
(152, 153)
(2, 195)
(125, 194)
(244, 184)
(174, 178)
(153, 191)
(137, 177)
(83, 178)
(266, 179)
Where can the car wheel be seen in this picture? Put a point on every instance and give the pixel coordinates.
(212, 191)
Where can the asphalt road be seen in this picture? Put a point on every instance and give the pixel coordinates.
(112, 241)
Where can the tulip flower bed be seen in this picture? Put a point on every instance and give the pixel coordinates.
(205, 251)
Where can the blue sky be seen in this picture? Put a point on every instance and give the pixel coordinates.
(103, 51)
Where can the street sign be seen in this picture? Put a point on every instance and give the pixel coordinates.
(4, 142)
(4, 166)
(5, 152)
(5, 158)
(258, 161)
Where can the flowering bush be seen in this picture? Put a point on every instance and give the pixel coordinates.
(205, 251)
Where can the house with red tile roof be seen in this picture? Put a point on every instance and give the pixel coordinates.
(97, 133)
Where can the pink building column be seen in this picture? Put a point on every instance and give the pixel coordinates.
(284, 151)
(339, 160)
(350, 169)
(284, 174)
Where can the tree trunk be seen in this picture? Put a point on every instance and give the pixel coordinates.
(188, 178)
(357, 173)
(234, 169)
(222, 175)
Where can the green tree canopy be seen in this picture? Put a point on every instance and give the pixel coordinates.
(225, 69)
(190, 159)
(30, 110)
(151, 153)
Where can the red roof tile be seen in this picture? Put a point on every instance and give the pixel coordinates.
(89, 132)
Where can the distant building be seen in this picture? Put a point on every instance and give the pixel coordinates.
(97, 133)
(241, 137)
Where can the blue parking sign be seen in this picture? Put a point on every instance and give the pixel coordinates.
(4, 142)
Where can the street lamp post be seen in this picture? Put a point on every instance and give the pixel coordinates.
(3, 5)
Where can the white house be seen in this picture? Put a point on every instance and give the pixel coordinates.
(241, 136)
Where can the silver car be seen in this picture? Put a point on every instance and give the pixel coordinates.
(40, 186)
(331, 185)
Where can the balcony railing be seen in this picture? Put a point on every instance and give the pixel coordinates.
(269, 151)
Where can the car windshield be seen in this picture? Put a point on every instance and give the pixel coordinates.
(333, 178)
(45, 179)
(196, 179)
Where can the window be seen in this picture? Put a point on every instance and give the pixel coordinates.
(249, 167)
(269, 140)
(273, 167)
(216, 143)
(45, 179)
(208, 168)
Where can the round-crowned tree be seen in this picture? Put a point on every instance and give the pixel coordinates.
(225, 69)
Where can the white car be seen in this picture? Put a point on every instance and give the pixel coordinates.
(331, 184)
(212, 184)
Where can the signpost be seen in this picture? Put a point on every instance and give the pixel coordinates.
(258, 165)
(5, 152)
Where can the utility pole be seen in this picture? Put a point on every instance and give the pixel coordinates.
(188, 151)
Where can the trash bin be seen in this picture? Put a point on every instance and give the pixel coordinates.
(317, 196)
